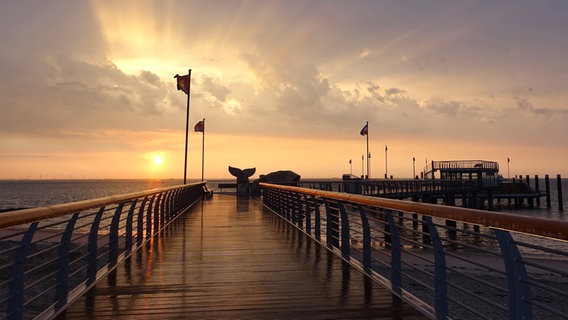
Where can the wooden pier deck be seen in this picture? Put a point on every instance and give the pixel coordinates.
(231, 258)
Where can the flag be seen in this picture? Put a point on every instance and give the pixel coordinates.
(183, 83)
(199, 127)
(508, 160)
(349, 161)
(386, 147)
(365, 130)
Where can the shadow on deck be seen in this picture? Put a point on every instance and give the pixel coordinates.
(231, 258)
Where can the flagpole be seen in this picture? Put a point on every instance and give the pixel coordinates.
(386, 162)
(368, 175)
(203, 151)
(186, 128)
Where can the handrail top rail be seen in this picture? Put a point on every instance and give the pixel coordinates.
(498, 220)
(17, 217)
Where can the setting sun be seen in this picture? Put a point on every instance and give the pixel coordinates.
(158, 160)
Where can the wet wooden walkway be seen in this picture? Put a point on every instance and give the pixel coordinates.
(230, 258)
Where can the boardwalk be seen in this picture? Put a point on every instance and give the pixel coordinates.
(234, 259)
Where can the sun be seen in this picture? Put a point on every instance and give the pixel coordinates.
(158, 160)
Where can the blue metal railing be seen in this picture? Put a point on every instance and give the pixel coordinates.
(449, 262)
(50, 256)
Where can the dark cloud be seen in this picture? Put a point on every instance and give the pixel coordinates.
(215, 87)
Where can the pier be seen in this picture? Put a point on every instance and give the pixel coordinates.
(291, 253)
(230, 258)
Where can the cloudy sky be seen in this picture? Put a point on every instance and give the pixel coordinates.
(87, 87)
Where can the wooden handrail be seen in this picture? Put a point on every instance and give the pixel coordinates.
(17, 217)
(498, 220)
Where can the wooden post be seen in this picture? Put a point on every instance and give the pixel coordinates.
(529, 198)
(559, 182)
(547, 186)
(537, 189)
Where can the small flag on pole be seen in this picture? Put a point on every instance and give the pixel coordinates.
(183, 83)
(199, 127)
(365, 130)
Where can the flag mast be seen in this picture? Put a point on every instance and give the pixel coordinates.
(368, 155)
(186, 128)
(203, 151)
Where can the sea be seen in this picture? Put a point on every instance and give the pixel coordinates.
(22, 194)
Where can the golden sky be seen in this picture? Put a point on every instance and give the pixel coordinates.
(87, 87)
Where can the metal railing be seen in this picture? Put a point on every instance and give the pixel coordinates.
(449, 262)
(50, 256)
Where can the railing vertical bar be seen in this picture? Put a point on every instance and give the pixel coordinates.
(345, 245)
(517, 278)
(367, 258)
(92, 247)
(331, 225)
(62, 287)
(396, 248)
(113, 236)
(140, 223)
(157, 213)
(440, 286)
(16, 289)
(308, 217)
(129, 226)
(317, 219)
(149, 212)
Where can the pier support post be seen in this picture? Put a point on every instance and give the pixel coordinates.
(559, 183)
(547, 186)
(537, 189)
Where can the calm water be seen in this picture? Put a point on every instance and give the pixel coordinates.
(37, 193)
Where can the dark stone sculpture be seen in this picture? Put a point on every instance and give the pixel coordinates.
(243, 184)
(285, 177)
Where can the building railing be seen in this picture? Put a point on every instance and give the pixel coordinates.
(449, 262)
(50, 256)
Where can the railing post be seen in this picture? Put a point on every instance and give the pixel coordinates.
(317, 219)
(16, 289)
(129, 221)
(149, 216)
(294, 214)
(345, 247)
(113, 236)
(300, 210)
(440, 286)
(62, 287)
(517, 278)
(308, 217)
(157, 212)
(331, 224)
(140, 223)
(93, 247)
(367, 261)
(396, 261)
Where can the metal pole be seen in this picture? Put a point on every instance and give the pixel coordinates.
(368, 173)
(386, 163)
(362, 167)
(413, 167)
(203, 151)
(186, 128)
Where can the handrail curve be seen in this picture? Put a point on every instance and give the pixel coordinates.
(18, 217)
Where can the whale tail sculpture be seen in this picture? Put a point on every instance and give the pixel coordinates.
(243, 184)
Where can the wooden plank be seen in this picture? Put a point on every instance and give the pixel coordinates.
(232, 258)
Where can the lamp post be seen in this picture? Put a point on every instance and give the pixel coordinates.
(413, 168)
